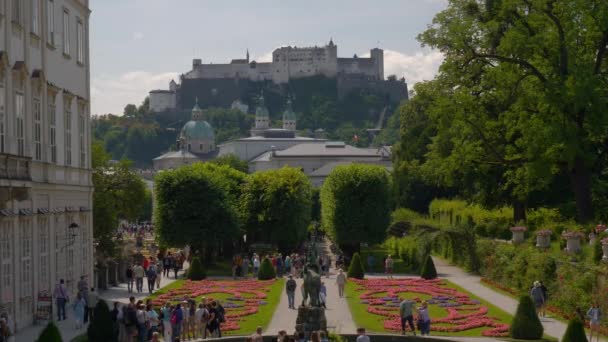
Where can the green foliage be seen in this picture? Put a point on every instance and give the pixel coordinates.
(575, 332)
(101, 328)
(50, 333)
(233, 161)
(598, 253)
(119, 194)
(355, 204)
(196, 271)
(525, 324)
(266, 271)
(197, 205)
(428, 270)
(356, 269)
(276, 207)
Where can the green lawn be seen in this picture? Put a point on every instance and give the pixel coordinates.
(379, 252)
(247, 324)
(375, 323)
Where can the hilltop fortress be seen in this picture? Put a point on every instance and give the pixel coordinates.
(225, 85)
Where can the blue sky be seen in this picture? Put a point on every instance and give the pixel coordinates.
(139, 45)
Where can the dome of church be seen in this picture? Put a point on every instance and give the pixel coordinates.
(198, 130)
(289, 114)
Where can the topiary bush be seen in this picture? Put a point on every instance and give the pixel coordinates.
(50, 334)
(266, 271)
(356, 269)
(101, 327)
(575, 332)
(196, 271)
(526, 325)
(428, 270)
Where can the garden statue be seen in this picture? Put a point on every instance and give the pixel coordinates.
(312, 285)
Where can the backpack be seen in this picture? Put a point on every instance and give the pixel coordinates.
(151, 272)
(291, 285)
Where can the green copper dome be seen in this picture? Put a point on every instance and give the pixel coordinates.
(289, 114)
(198, 130)
(261, 111)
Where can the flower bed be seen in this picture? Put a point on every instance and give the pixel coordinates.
(459, 313)
(241, 299)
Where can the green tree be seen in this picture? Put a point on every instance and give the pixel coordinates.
(356, 269)
(575, 332)
(525, 324)
(266, 271)
(50, 334)
(130, 111)
(544, 61)
(355, 205)
(233, 161)
(428, 269)
(101, 328)
(196, 271)
(119, 194)
(276, 207)
(197, 206)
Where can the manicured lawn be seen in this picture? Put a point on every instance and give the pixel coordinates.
(245, 309)
(379, 252)
(376, 323)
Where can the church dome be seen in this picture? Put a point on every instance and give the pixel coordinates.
(289, 114)
(198, 130)
(261, 111)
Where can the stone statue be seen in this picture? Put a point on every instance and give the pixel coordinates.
(312, 285)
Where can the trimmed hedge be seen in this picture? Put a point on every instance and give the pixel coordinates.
(196, 271)
(575, 332)
(50, 334)
(266, 271)
(526, 325)
(356, 269)
(428, 270)
(101, 327)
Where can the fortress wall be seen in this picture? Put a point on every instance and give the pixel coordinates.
(362, 66)
(395, 91)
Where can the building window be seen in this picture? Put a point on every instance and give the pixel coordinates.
(80, 41)
(50, 22)
(18, 11)
(85, 243)
(81, 135)
(36, 17)
(53, 128)
(20, 122)
(26, 257)
(68, 133)
(37, 129)
(2, 119)
(43, 283)
(6, 260)
(66, 32)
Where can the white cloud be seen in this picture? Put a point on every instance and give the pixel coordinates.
(421, 66)
(138, 36)
(111, 93)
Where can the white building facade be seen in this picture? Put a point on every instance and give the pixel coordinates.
(46, 189)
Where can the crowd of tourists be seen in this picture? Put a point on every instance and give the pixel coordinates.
(300, 336)
(82, 306)
(183, 321)
(153, 269)
(292, 264)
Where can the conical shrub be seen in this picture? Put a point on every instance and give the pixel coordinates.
(50, 334)
(575, 332)
(196, 271)
(526, 325)
(428, 269)
(355, 269)
(266, 271)
(101, 327)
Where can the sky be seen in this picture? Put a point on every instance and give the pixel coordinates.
(140, 45)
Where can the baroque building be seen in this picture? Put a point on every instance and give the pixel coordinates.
(46, 189)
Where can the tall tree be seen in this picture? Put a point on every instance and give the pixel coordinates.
(553, 53)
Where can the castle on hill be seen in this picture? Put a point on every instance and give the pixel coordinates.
(225, 85)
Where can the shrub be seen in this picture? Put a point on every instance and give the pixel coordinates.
(50, 334)
(526, 325)
(101, 328)
(597, 251)
(196, 271)
(428, 270)
(266, 271)
(575, 332)
(356, 269)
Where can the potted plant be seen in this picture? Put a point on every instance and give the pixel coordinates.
(518, 234)
(543, 238)
(573, 241)
(605, 249)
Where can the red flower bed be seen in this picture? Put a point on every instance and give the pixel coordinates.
(246, 297)
(462, 313)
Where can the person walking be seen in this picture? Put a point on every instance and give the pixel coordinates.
(78, 307)
(151, 275)
(323, 295)
(159, 273)
(138, 273)
(167, 264)
(129, 275)
(406, 312)
(142, 323)
(153, 321)
(341, 282)
(424, 319)
(256, 265)
(595, 317)
(545, 291)
(290, 289)
(537, 297)
(92, 300)
(245, 267)
(61, 297)
(388, 266)
(166, 313)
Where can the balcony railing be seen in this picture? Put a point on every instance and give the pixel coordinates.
(13, 167)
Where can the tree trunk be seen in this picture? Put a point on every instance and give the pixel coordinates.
(580, 179)
(519, 212)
